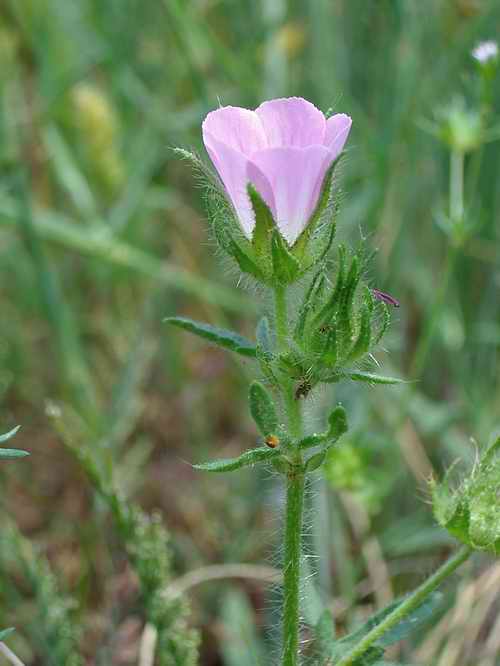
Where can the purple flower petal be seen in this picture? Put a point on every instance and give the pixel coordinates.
(291, 121)
(231, 166)
(337, 131)
(240, 129)
(294, 177)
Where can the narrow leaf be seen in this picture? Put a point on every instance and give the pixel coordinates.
(262, 409)
(218, 336)
(6, 632)
(248, 458)
(370, 377)
(409, 623)
(263, 335)
(8, 435)
(12, 453)
(264, 226)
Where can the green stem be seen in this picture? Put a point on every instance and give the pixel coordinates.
(457, 187)
(291, 574)
(295, 482)
(281, 317)
(413, 601)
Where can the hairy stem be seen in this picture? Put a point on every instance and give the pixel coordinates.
(291, 574)
(295, 482)
(413, 601)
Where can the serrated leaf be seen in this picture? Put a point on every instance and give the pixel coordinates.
(262, 409)
(218, 336)
(252, 457)
(6, 632)
(8, 435)
(13, 453)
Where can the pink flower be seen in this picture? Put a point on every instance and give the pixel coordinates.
(284, 148)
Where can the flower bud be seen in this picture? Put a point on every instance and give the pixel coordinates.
(459, 127)
(471, 511)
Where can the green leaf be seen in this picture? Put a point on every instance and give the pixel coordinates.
(262, 409)
(12, 453)
(268, 243)
(263, 229)
(243, 260)
(218, 336)
(263, 335)
(285, 267)
(251, 457)
(325, 634)
(6, 632)
(405, 627)
(362, 343)
(369, 377)
(337, 422)
(337, 426)
(409, 623)
(8, 435)
(315, 461)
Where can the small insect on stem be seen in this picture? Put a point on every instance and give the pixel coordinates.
(272, 441)
(386, 298)
(303, 389)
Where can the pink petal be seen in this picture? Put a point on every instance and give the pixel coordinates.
(291, 121)
(238, 128)
(231, 166)
(295, 177)
(337, 131)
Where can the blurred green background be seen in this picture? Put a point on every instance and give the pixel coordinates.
(102, 234)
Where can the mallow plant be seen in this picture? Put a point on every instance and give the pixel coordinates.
(272, 203)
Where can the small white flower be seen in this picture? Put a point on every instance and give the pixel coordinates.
(485, 51)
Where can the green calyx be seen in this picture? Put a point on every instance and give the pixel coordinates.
(336, 326)
(267, 256)
(471, 511)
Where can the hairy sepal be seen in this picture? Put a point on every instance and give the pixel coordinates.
(270, 249)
